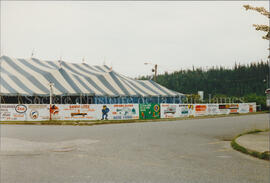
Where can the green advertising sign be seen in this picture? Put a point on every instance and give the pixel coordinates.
(149, 111)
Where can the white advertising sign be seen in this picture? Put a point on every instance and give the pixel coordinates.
(74, 112)
(176, 110)
(186, 110)
(244, 108)
(119, 111)
(213, 109)
(169, 111)
(24, 112)
(8, 113)
(37, 112)
(268, 102)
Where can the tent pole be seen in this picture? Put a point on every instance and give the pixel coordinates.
(50, 105)
(51, 86)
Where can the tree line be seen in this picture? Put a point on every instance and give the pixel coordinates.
(243, 80)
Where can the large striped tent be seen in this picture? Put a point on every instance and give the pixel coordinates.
(31, 77)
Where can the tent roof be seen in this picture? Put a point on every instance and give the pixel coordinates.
(32, 77)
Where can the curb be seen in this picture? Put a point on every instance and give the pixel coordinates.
(261, 155)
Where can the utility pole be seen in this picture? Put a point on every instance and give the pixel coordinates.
(267, 77)
(266, 81)
(33, 52)
(83, 60)
(153, 70)
(155, 78)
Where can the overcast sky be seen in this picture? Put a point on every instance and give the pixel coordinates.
(174, 35)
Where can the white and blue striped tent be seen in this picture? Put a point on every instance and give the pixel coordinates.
(31, 77)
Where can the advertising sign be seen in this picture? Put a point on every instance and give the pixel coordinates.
(37, 112)
(74, 112)
(122, 111)
(200, 109)
(224, 109)
(213, 109)
(252, 107)
(268, 102)
(149, 111)
(169, 111)
(234, 108)
(8, 113)
(244, 108)
(229, 108)
(24, 112)
(186, 110)
(175, 110)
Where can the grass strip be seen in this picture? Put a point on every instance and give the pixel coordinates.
(261, 155)
(103, 122)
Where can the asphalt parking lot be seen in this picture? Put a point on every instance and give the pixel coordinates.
(186, 151)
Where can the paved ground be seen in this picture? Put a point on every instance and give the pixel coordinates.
(187, 151)
(258, 141)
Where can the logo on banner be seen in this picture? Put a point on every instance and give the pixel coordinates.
(34, 114)
(156, 108)
(20, 108)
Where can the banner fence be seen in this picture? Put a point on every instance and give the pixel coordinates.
(41, 112)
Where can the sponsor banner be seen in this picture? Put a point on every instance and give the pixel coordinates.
(24, 112)
(252, 107)
(244, 108)
(8, 113)
(169, 111)
(200, 110)
(149, 111)
(74, 112)
(223, 109)
(186, 110)
(37, 112)
(247, 107)
(229, 108)
(175, 110)
(120, 111)
(268, 102)
(213, 109)
(234, 108)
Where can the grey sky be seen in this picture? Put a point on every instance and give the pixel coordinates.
(174, 35)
